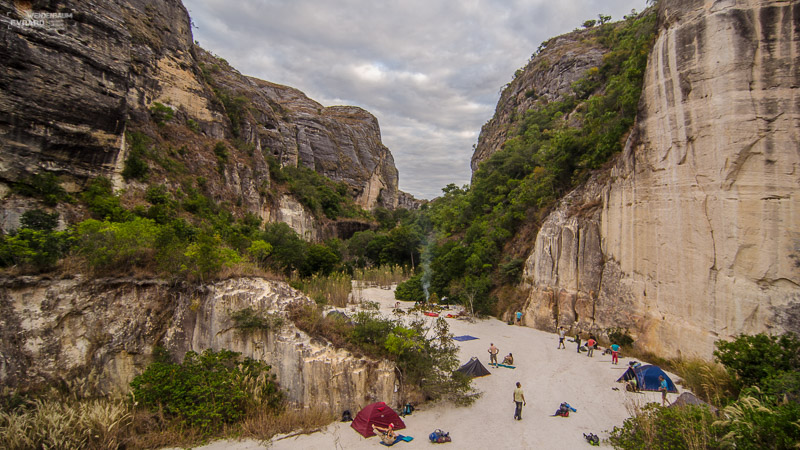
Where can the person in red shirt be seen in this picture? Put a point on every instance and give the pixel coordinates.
(590, 344)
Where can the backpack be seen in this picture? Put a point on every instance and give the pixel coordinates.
(563, 410)
(439, 437)
(346, 416)
(592, 439)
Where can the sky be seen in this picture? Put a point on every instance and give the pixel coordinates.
(431, 71)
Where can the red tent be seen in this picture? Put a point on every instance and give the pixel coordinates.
(378, 414)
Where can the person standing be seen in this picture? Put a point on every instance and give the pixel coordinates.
(493, 351)
(519, 318)
(519, 400)
(578, 341)
(614, 354)
(590, 344)
(663, 388)
(562, 334)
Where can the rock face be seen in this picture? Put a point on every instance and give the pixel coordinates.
(70, 91)
(105, 330)
(550, 73)
(693, 235)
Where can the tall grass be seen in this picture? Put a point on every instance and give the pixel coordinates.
(66, 423)
(333, 289)
(706, 379)
(383, 276)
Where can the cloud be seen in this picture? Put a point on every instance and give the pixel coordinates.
(431, 72)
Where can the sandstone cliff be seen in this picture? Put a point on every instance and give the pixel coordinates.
(71, 90)
(104, 331)
(693, 235)
(549, 75)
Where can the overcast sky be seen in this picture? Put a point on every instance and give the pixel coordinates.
(431, 71)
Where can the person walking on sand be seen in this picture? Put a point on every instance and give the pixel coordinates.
(614, 354)
(519, 400)
(493, 351)
(663, 388)
(562, 334)
(590, 344)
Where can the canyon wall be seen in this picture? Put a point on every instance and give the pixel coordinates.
(694, 234)
(73, 89)
(103, 332)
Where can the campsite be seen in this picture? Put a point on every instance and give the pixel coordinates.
(549, 376)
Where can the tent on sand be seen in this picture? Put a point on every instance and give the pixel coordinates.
(474, 368)
(647, 378)
(379, 414)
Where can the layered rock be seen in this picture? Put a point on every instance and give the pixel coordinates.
(104, 331)
(549, 75)
(71, 91)
(695, 229)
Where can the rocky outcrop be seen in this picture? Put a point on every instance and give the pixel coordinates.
(105, 330)
(342, 143)
(72, 89)
(549, 75)
(694, 231)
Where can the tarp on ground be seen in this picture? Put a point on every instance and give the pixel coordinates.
(465, 337)
(474, 368)
(379, 414)
(647, 378)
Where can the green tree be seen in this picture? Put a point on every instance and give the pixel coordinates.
(753, 358)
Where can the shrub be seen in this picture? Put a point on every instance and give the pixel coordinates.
(113, 246)
(135, 166)
(45, 186)
(619, 336)
(193, 125)
(39, 220)
(160, 113)
(206, 256)
(333, 289)
(249, 320)
(658, 428)
(36, 249)
(411, 290)
(754, 358)
(103, 203)
(756, 421)
(208, 389)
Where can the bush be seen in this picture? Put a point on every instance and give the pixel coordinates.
(39, 220)
(754, 358)
(410, 290)
(656, 428)
(160, 113)
(208, 389)
(135, 166)
(103, 203)
(756, 421)
(249, 320)
(117, 246)
(45, 186)
(36, 249)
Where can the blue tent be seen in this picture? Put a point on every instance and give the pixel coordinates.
(647, 378)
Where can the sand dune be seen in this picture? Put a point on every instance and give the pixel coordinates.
(549, 376)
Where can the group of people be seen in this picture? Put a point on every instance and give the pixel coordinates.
(591, 345)
(508, 360)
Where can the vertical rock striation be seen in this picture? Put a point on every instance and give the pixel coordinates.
(104, 331)
(696, 228)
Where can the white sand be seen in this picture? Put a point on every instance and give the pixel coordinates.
(548, 376)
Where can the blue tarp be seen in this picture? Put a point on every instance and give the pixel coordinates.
(647, 378)
(465, 337)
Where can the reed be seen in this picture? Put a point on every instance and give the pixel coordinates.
(383, 276)
(333, 289)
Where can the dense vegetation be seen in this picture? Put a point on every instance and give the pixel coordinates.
(761, 410)
(546, 155)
